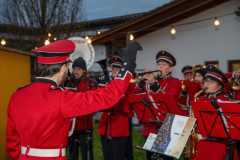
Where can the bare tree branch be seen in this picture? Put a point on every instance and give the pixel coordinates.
(32, 19)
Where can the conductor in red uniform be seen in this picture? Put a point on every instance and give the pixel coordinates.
(164, 83)
(114, 127)
(39, 115)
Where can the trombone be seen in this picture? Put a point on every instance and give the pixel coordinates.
(135, 76)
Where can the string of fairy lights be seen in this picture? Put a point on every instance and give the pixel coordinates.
(173, 30)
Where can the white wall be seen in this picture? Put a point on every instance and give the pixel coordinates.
(196, 43)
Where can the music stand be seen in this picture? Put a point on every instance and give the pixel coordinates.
(152, 109)
(91, 86)
(153, 106)
(192, 88)
(119, 107)
(219, 120)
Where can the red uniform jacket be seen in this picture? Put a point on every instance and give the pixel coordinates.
(119, 123)
(81, 121)
(183, 99)
(212, 149)
(39, 115)
(167, 85)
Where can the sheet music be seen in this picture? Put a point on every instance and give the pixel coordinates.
(178, 125)
(169, 134)
(150, 140)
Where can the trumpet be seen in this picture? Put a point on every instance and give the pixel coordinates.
(183, 86)
(135, 76)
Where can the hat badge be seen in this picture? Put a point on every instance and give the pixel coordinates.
(210, 67)
(162, 52)
(115, 57)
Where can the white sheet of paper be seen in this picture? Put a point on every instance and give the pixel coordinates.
(178, 125)
(149, 143)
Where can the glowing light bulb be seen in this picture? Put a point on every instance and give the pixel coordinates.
(86, 37)
(216, 22)
(55, 39)
(173, 31)
(89, 41)
(99, 32)
(35, 47)
(47, 42)
(3, 42)
(49, 34)
(131, 37)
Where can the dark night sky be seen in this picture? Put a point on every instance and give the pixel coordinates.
(98, 9)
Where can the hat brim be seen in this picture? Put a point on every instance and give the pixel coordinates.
(164, 61)
(187, 72)
(115, 66)
(212, 78)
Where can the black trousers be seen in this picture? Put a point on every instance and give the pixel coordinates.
(129, 151)
(238, 149)
(78, 139)
(114, 148)
(72, 147)
(149, 154)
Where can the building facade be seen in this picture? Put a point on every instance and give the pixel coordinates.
(196, 43)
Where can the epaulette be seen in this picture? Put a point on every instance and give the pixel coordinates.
(227, 97)
(54, 88)
(23, 87)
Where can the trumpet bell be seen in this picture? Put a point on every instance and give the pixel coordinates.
(135, 78)
(235, 85)
(183, 86)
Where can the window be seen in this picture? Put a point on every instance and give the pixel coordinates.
(115, 50)
(215, 63)
(233, 65)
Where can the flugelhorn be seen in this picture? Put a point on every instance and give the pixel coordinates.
(135, 76)
(236, 84)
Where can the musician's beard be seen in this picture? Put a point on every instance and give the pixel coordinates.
(63, 79)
